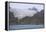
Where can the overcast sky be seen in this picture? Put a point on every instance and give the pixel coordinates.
(25, 6)
(22, 9)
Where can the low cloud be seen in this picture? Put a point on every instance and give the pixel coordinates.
(21, 13)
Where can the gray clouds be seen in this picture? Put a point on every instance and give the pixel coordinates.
(21, 10)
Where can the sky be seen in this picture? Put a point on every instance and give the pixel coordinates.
(21, 10)
(26, 6)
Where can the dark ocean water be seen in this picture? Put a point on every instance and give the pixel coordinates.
(17, 27)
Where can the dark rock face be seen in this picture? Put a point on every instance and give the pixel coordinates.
(12, 19)
(11, 15)
(39, 17)
(40, 14)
